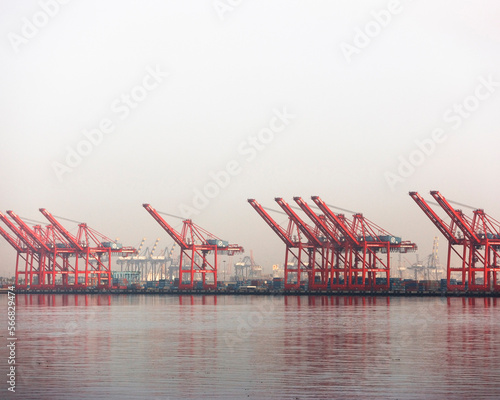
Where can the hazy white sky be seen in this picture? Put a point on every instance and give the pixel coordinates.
(183, 90)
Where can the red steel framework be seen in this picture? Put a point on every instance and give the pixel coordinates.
(473, 245)
(52, 258)
(28, 255)
(196, 244)
(344, 254)
(297, 251)
(339, 270)
(367, 247)
(319, 254)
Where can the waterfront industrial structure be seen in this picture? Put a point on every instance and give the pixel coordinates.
(53, 258)
(247, 268)
(152, 264)
(473, 245)
(429, 269)
(337, 252)
(332, 253)
(199, 250)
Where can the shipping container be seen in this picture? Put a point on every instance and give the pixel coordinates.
(218, 242)
(390, 239)
(247, 288)
(112, 245)
(278, 284)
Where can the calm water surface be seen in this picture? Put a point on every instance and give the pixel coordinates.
(241, 347)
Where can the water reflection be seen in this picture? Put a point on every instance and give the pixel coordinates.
(190, 347)
(65, 300)
(202, 299)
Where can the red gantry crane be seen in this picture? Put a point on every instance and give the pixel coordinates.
(376, 246)
(51, 251)
(297, 251)
(487, 263)
(23, 256)
(473, 245)
(319, 254)
(354, 255)
(472, 261)
(339, 262)
(94, 250)
(34, 259)
(369, 248)
(51, 256)
(196, 244)
(355, 260)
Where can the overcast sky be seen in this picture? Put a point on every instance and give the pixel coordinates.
(357, 102)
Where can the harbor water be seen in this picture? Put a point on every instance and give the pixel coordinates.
(253, 347)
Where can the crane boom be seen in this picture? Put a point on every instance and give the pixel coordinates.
(442, 226)
(171, 231)
(317, 221)
(336, 220)
(455, 216)
(28, 230)
(272, 223)
(55, 223)
(18, 233)
(299, 222)
(11, 240)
